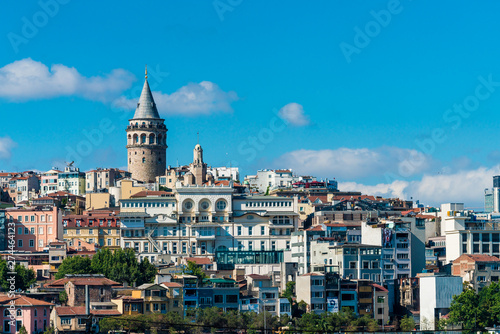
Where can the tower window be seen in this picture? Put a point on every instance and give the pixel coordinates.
(143, 160)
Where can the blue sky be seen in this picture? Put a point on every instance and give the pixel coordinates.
(267, 85)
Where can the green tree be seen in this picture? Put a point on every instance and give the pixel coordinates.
(464, 309)
(50, 330)
(63, 297)
(23, 330)
(289, 292)
(407, 324)
(147, 272)
(23, 277)
(193, 269)
(74, 265)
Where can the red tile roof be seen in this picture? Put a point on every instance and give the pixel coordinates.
(91, 221)
(83, 281)
(421, 216)
(80, 310)
(479, 258)
(312, 274)
(199, 260)
(258, 277)
(379, 287)
(172, 285)
(150, 193)
(23, 301)
(283, 171)
(323, 199)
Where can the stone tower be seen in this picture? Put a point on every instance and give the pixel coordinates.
(146, 139)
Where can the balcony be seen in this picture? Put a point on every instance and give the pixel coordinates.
(365, 300)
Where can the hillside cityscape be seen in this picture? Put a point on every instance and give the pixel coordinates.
(249, 167)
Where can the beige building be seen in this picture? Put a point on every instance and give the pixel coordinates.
(96, 201)
(99, 180)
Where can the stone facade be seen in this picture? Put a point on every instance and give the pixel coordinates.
(97, 293)
(146, 140)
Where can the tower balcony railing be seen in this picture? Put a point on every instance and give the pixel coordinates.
(147, 126)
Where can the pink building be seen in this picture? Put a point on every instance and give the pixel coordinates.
(20, 311)
(36, 227)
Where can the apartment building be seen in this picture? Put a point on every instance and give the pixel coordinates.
(354, 261)
(23, 188)
(71, 180)
(98, 227)
(48, 181)
(100, 180)
(36, 227)
(479, 270)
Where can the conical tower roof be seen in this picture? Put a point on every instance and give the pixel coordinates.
(146, 108)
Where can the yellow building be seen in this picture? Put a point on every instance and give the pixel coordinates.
(97, 201)
(128, 305)
(101, 228)
(128, 189)
(154, 296)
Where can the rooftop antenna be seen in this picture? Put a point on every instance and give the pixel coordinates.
(198, 136)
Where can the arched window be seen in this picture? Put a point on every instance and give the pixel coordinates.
(136, 138)
(36, 313)
(151, 138)
(143, 160)
(160, 138)
(6, 313)
(143, 139)
(19, 312)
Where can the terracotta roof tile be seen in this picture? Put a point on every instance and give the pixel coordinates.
(23, 301)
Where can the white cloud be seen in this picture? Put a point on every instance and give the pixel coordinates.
(6, 146)
(293, 113)
(27, 79)
(346, 163)
(465, 186)
(202, 98)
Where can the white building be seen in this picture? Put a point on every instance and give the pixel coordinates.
(436, 294)
(467, 234)
(72, 181)
(225, 173)
(274, 179)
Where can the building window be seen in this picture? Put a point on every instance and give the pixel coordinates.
(19, 243)
(65, 321)
(32, 243)
(250, 230)
(239, 230)
(273, 245)
(250, 246)
(353, 265)
(221, 205)
(262, 230)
